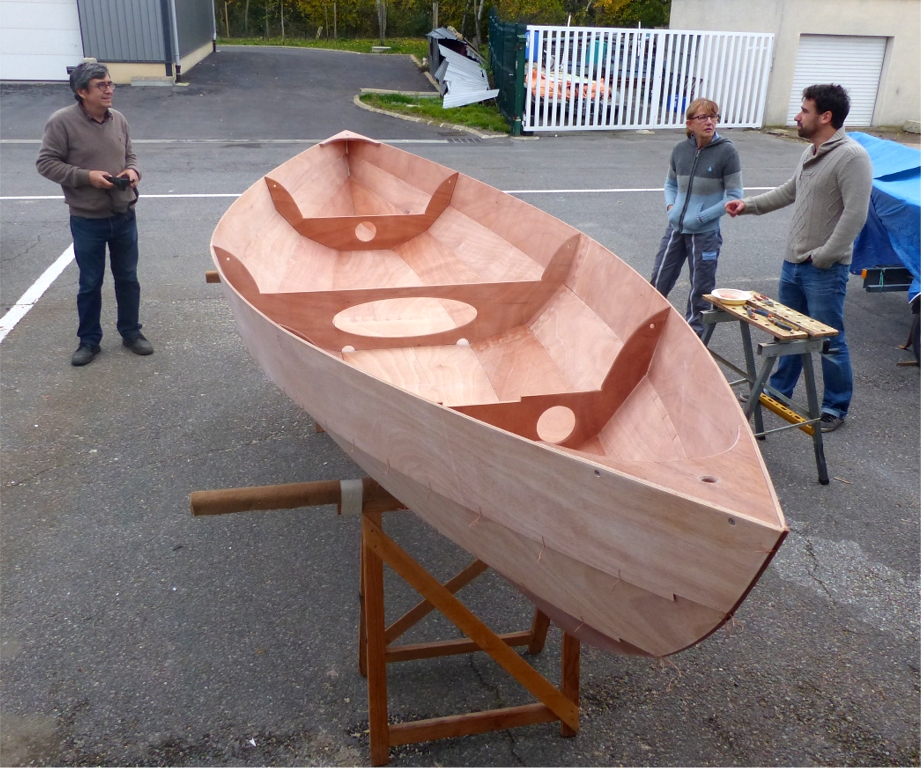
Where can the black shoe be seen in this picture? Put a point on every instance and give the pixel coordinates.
(85, 354)
(829, 422)
(139, 345)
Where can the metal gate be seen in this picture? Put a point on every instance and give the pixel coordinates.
(589, 79)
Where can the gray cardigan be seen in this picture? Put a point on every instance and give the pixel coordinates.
(831, 195)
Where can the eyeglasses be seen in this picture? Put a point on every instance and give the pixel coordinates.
(705, 118)
(105, 86)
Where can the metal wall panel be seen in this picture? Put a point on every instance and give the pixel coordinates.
(195, 24)
(851, 61)
(124, 30)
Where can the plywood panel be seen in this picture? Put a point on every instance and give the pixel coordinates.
(421, 173)
(642, 430)
(577, 339)
(518, 365)
(524, 226)
(360, 269)
(617, 294)
(482, 251)
(313, 177)
(441, 374)
(434, 262)
(610, 605)
(403, 196)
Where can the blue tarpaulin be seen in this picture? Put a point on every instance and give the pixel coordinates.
(891, 235)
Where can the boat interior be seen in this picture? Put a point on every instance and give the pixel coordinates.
(468, 297)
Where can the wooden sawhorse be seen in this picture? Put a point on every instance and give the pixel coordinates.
(367, 498)
(794, 334)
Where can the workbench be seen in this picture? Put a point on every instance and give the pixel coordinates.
(792, 333)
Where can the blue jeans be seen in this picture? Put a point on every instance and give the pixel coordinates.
(820, 294)
(701, 251)
(120, 233)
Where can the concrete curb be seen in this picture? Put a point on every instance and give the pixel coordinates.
(356, 100)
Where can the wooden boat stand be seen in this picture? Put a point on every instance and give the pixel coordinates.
(760, 393)
(376, 649)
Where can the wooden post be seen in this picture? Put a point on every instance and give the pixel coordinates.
(373, 570)
(569, 681)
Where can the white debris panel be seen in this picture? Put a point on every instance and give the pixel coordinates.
(463, 81)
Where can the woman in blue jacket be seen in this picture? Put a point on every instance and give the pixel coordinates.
(704, 172)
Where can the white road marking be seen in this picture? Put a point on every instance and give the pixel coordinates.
(21, 307)
(31, 296)
(507, 191)
(242, 141)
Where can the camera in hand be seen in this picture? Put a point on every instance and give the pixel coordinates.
(121, 182)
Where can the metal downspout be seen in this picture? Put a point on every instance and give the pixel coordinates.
(167, 37)
(174, 28)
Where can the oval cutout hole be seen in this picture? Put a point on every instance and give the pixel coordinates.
(402, 318)
(708, 479)
(556, 424)
(365, 231)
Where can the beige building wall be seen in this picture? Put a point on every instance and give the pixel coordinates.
(124, 73)
(899, 96)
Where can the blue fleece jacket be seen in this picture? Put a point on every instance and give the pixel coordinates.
(698, 183)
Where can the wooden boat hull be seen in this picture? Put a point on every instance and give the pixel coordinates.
(632, 542)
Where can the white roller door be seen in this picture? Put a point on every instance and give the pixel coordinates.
(851, 61)
(39, 39)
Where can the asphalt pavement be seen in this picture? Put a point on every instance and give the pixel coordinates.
(134, 634)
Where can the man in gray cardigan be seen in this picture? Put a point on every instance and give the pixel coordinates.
(830, 194)
(87, 150)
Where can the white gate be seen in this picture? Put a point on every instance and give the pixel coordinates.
(589, 79)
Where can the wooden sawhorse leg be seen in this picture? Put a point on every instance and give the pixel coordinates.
(555, 704)
(371, 500)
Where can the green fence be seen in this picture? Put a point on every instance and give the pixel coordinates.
(506, 59)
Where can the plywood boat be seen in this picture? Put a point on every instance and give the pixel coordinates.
(512, 381)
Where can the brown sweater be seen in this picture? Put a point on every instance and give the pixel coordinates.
(73, 145)
(830, 194)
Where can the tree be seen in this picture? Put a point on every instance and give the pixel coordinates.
(630, 13)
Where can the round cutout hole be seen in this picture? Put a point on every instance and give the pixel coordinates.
(365, 231)
(556, 424)
(708, 479)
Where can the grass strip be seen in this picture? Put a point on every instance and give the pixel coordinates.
(484, 115)
(416, 45)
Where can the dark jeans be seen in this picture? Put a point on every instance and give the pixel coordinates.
(701, 251)
(120, 233)
(820, 294)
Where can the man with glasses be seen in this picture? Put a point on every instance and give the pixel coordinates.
(703, 172)
(830, 194)
(87, 150)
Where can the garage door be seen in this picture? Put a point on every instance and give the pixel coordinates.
(39, 39)
(854, 62)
